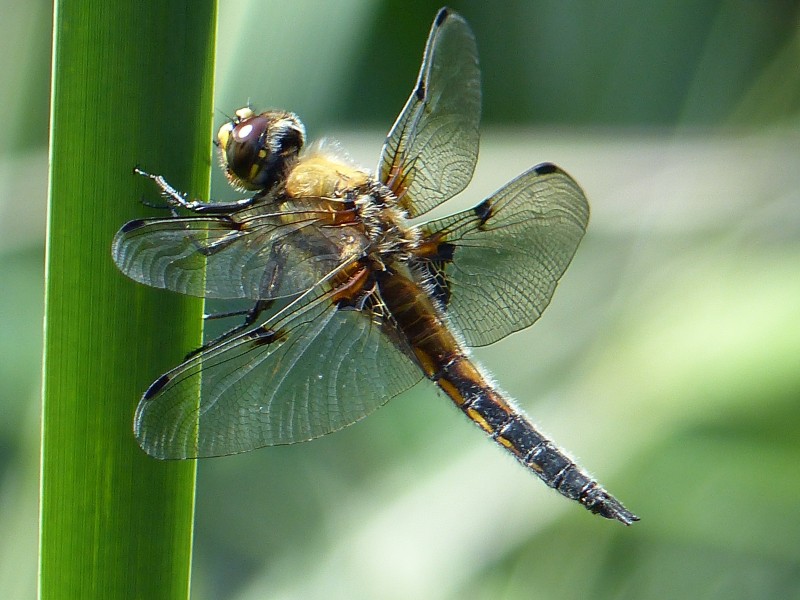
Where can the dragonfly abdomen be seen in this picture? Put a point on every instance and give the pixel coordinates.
(445, 362)
(510, 428)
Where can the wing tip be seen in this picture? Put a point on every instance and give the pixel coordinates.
(443, 13)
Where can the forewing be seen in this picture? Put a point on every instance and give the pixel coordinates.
(258, 257)
(430, 153)
(495, 267)
(292, 379)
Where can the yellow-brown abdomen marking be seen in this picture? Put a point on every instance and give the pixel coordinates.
(445, 362)
(438, 352)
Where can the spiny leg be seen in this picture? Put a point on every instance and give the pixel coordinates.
(250, 316)
(179, 199)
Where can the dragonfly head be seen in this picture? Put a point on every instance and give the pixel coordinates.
(255, 149)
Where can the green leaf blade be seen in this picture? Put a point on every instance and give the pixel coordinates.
(131, 85)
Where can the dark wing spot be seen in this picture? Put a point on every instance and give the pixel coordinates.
(445, 251)
(421, 91)
(264, 336)
(156, 387)
(546, 169)
(443, 13)
(229, 223)
(435, 271)
(483, 211)
(131, 225)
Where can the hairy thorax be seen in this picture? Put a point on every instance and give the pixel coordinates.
(351, 196)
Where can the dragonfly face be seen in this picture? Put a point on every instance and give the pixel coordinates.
(257, 150)
(370, 304)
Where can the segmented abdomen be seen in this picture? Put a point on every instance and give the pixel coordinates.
(446, 363)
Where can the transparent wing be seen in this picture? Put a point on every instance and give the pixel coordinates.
(292, 379)
(430, 153)
(258, 257)
(495, 267)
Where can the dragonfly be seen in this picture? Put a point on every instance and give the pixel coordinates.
(352, 302)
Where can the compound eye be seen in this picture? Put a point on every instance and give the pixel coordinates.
(255, 150)
(244, 151)
(249, 131)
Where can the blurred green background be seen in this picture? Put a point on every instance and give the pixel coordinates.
(669, 361)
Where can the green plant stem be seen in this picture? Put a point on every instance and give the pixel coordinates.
(132, 84)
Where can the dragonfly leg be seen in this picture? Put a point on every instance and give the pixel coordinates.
(177, 199)
(250, 316)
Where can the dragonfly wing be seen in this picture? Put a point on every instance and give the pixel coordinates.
(495, 267)
(259, 257)
(431, 151)
(291, 379)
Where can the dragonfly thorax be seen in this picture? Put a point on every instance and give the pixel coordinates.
(349, 196)
(391, 235)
